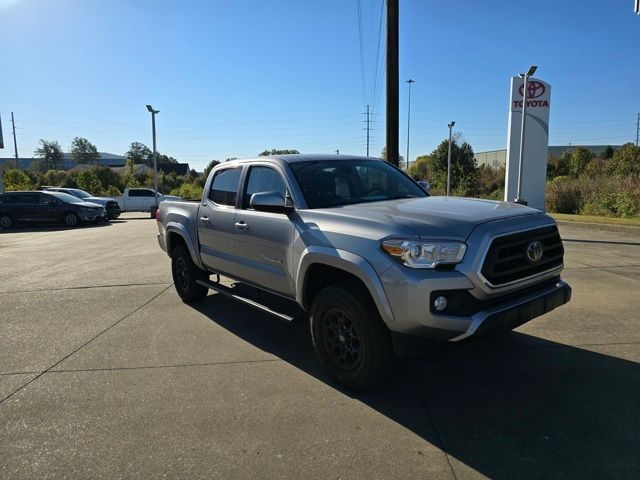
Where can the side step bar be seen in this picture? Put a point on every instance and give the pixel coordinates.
(227, 292)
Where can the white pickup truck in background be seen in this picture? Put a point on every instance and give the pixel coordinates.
(141, 200)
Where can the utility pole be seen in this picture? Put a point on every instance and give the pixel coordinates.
(392, 83)
(15, 143)
(450, 125)
(637, 129)
(155, 154)
(367, 120)
(410, 81)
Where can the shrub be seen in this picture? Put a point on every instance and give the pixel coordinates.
(188, 191)
(15, 179)
(563, 195)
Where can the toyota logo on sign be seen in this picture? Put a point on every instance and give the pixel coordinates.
(534, 89)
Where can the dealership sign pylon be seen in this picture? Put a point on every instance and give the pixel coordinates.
(536, 141)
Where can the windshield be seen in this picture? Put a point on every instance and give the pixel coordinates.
(329, 183)
(65, 197)
(80, 193)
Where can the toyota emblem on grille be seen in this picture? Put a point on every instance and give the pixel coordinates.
(534, 251)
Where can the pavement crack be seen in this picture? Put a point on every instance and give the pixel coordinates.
(425, 406)
(150, 284)
(88, 342)
(180, 365)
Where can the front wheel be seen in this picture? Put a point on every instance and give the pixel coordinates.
(6, 221)
(71, 219)
(185, 275)
(349, 337)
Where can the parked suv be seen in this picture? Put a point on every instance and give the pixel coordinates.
(112, 207)
(47, 207)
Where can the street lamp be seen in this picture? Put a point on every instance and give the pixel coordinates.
(410, 81)
(155, 153)
(525, 76)
(450, 125)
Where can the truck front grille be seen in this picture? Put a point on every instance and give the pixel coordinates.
(507, 259)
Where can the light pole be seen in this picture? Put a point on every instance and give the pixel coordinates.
(410, 81)
(525, 76)
(155, 153)
(450, 125)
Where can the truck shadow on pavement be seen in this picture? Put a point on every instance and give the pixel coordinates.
(512, 407)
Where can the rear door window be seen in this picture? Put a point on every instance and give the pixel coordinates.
(224, 187)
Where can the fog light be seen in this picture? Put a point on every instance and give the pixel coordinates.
(440, 303)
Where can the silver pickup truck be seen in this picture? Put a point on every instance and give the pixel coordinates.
(377, 266)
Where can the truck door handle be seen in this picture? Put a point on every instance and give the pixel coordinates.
(241, 225)
(204, 219)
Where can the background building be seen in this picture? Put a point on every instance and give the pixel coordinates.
(498, 158)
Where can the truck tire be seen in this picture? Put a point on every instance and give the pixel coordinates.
(349, 337)
(185, 274)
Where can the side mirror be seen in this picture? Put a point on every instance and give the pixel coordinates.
(424, 185)
(272, 202)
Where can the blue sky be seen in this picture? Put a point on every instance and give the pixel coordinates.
(232, 78)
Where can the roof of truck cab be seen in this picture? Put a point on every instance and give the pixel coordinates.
(302, 157)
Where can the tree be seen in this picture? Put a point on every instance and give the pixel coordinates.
(83, 151)
(625, 161)
(607, 153)
(88, 180)
(383, 155)
(463, 167)
(580, 158)
(162, 158)
(274, 151)
(139, 153)
(50, 152)
(419, 169)
(209, 167)
(558, 166)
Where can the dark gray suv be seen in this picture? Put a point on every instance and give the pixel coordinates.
(49, 207)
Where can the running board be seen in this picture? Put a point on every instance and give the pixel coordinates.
(227, 292)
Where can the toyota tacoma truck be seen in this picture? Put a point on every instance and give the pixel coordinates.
(377, 265)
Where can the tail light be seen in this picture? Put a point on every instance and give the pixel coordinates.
(158, 215)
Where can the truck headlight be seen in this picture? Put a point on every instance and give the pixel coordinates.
(425, 254)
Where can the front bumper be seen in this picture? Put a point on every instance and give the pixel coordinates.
(113, 212)
(93, 216)
(498, 318)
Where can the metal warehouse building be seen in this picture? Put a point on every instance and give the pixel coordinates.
(498, 158)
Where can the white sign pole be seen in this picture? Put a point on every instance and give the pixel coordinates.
(536, 142)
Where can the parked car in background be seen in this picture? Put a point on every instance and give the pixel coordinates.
(141, 200)
(47, 207)
(112, 207)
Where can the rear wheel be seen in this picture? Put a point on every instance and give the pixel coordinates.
(185, 276)
(349, 337)
(71, 219)
(6, 221)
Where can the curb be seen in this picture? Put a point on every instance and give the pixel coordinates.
(605, 227)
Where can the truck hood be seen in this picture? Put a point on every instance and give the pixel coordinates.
(100, 200)
(430, 217)
(89, 205)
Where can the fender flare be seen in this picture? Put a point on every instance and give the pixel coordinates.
(180, 230)
(350, 263)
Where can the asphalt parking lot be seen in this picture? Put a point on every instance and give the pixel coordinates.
(105, 373)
